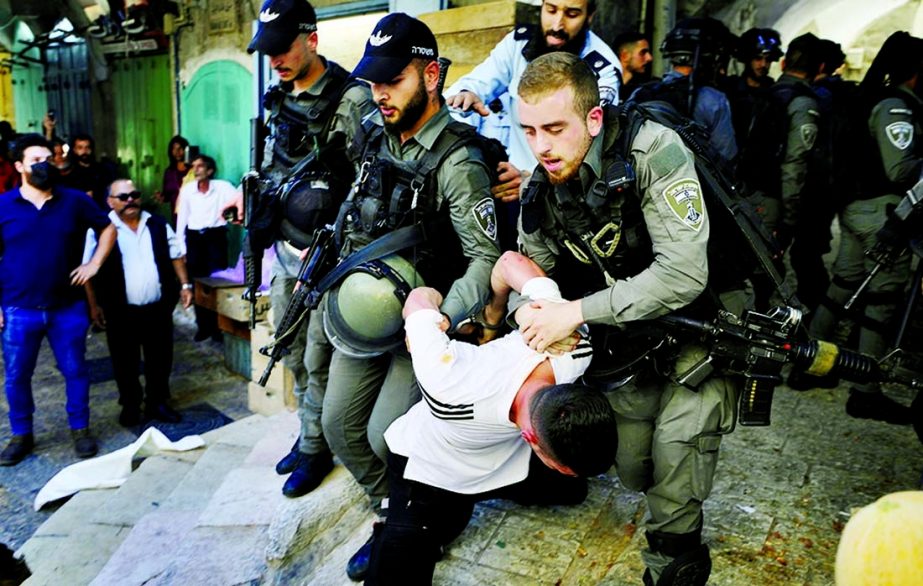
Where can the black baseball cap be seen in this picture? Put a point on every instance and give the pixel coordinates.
(398, 38)
(280, 22)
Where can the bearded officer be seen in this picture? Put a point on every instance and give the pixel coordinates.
(626, 256)
(315, 111)
(424, 176)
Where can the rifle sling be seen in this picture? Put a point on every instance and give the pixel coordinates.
(380, 247)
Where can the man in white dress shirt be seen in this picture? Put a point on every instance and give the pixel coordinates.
(133, 296)
(202, 233)
(498, 420)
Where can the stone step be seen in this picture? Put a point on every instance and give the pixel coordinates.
(168, 547)
(144, 491)
(196, 488)
(313, 536)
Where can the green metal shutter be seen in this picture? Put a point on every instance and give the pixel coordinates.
(30, 102)
(143, 117)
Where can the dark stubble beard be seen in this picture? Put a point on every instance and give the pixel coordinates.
(410, 114)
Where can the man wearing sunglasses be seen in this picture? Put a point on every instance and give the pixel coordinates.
(133, 296)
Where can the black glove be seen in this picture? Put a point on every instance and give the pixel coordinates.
(893, 234)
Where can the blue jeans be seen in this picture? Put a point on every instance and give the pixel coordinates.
(23, 330)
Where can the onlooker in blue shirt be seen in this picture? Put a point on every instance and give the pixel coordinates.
(42, 232)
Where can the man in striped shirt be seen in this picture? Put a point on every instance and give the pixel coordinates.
(496, 420)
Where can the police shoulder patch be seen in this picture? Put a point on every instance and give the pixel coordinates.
(900, 134)
(485, 217)
(523, 32)
(808, 135)
(684, 198)
(596, 61)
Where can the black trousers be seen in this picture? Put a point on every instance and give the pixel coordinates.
(206, 252)
(423, 519)
(129, 331)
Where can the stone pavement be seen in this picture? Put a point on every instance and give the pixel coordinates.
(199, 376)
(216, 516)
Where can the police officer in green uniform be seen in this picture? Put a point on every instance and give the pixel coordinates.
(894, 165)
(420, 174)
(620, 223)
(774, 162)
(316, 111)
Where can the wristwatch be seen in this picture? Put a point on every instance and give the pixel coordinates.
(187, 286)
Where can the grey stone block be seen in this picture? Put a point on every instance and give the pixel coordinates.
(337, 503)
(149, 549)
(143, 492)
(74, 559)
(75, 512)
(195, 490)
(248, 496)
(541, 549)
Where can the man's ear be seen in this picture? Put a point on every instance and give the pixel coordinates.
(530, 436)
(431, 75)
(312, 41)
(594, 121)
(20, 168)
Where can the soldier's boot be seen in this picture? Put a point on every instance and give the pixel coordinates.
(878, 406)
(691, 565)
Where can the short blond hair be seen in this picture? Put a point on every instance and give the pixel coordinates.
(558, 70)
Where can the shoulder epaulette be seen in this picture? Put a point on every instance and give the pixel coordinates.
(523, 32)
(596, 61)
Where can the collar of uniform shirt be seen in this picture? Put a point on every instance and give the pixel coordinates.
(592, 167)
(426, 136)
(315, 90)
(142, 221)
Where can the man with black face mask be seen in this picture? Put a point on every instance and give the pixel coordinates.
(42, 231)
(565, 26)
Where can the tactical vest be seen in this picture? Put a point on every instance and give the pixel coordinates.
(391, 193)
(759, 165)
(298, 127)
(874, 181)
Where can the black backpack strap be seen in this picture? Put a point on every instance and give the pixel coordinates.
(382, 246)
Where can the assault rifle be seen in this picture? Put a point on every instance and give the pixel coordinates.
(253, 255)
(320, 258)
(893, 237)
(757, 346)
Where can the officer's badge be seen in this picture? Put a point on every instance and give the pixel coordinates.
(808, 135)
(900, 134)
(684, 197)
(486, 218)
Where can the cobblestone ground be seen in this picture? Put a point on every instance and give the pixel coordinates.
(199, 376)
(780, 499)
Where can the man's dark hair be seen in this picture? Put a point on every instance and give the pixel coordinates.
(25, 141)
(577, 425)
(622, 41)
(804, 55)
(831, 55)
(84, 137)
(210, 163)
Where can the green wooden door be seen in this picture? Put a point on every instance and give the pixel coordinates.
(30, 102)
(216, 107)
(143, 117)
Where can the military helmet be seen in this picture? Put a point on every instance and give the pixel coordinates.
(706, 37)
(306, 204)
(759, 41)
(362, 315)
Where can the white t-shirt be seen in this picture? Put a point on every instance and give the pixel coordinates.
(460, 437)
